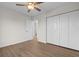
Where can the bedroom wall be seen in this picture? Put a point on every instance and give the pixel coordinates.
(14, 27)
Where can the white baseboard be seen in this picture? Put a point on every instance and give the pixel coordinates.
(42, 41)
(12, 43)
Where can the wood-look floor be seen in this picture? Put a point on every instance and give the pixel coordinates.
(36, 49)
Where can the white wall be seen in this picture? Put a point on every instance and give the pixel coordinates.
(13, 28)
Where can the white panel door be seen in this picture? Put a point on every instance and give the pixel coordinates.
(64, 30)
(53, 30)
(74, 30)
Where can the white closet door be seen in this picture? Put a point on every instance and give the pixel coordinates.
(53, 30)
(74, 30)
(64, 30)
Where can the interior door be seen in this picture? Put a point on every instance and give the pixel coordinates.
(53, 30)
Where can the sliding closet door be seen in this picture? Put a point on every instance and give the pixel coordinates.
(53, 30)
(74, 30)
(64, 30)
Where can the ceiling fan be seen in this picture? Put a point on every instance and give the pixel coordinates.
(31, 6)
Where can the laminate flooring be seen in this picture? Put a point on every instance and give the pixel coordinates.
(33, 48)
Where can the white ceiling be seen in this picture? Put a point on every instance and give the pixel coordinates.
(45, 7)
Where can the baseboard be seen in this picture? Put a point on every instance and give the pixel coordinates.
(9, 44)
(59, 46)
(41, 41)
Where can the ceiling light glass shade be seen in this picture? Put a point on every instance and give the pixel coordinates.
(30, 7)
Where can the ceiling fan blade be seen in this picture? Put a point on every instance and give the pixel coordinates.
(29, 10)
(39, 2)
(20, 5)
(37, 9)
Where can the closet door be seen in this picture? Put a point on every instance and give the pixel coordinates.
(64, 30)
(74, 30)
(53, 30)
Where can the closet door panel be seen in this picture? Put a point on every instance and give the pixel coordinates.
(53, 30)
(64, 30)
(74, 30)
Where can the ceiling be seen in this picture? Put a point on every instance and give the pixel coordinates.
(45, 7)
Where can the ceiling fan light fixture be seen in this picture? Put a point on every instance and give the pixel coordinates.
(30, 3)
(30, 7)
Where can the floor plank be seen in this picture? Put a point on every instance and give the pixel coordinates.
(34, 48)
